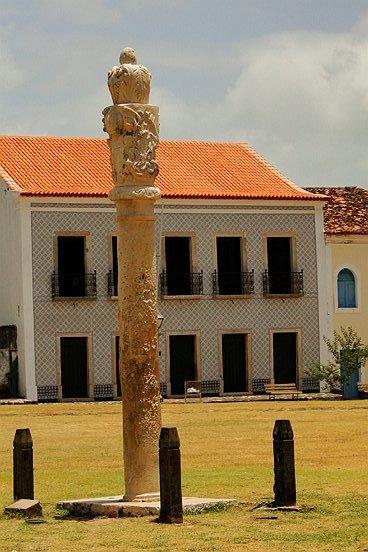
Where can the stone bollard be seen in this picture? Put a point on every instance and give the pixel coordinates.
(23, 484)
(284, 464)
(171, 510)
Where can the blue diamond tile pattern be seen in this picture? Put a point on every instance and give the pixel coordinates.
(207, 316)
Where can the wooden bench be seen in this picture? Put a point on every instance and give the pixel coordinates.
(276, 389)
(192, 390)
(363, 388)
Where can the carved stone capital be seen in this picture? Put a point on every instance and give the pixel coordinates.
(133, 131)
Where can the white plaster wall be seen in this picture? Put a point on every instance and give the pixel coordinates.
(26, 345)
(351, 253)
(16, 303)
(10, 259)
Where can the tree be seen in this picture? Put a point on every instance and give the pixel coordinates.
(349, 354)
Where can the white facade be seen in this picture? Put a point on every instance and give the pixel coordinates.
(30, 225)
(16, 295)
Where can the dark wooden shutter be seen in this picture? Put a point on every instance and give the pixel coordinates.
(74, 367)
(234, 362)
(182, 362)
(284, 357)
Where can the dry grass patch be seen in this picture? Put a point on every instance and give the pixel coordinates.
(226, 452)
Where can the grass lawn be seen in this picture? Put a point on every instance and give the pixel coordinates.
(226, 452)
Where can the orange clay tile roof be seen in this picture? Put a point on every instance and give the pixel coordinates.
(55, 166)
(346, 211)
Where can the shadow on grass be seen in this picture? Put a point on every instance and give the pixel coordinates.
(272, 506)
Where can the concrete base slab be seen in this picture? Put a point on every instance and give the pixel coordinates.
(114, 506)
(147, 497)
(24, 507)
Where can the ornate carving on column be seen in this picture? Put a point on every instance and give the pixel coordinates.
(129, 82)
(132, 125)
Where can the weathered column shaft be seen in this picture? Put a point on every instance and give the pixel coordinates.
(139, 370)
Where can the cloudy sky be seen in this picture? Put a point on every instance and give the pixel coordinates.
(290, 77)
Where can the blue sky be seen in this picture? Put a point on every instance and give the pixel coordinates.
(290, 77)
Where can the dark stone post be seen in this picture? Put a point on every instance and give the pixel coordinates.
(284, 464)
(23, 465)
(171, 510)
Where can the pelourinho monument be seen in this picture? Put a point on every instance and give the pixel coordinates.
(132, 125)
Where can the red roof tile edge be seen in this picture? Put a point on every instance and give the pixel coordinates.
(13, 186)
(187, 196)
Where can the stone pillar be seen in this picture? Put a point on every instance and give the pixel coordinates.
(284, 464)
(132, 125)
(23, 483)
(171, 509)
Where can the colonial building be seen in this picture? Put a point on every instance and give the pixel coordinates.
(240, 256)
(346, 236)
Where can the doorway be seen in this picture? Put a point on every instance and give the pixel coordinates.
(234, 362)
(285, 357)
(74, 367)
(183, 365)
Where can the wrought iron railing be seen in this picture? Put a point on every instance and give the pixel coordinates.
(183, 283)
(283, 283)
(73, 285)
(112, 283)
(233, 283)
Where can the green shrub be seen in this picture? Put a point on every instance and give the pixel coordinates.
(349, 355)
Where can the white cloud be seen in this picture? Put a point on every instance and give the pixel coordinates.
(175, 114)
(300, 98)
(85, 12)
(154, 4)
(304, 99)
(11, 75)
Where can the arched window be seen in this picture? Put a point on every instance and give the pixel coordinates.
(346, 293)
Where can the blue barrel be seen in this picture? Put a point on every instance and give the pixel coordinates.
(350, 388)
